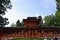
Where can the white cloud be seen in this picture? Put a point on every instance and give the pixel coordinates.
(13, 15)
(40, 7)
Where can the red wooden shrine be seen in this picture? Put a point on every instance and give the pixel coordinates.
(31, 22)
(31, 29)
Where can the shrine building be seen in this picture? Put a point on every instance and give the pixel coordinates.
(31, 29)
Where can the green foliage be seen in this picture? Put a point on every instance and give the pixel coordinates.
(39, 17)
(22, 23)
(41, 21)
(57, 14)
(57, 18)
(3, 21)
(4, 5)
(50, 20)
(58, 4)
(19, 24)
(13, 25)
(30, 39)
(57, 0)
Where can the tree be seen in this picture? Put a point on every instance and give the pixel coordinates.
(57, 18)
(50, 20)
(58, 0)
(41, 21)
(4, 5)
(58, 13)
(13, 25)
(54, 20)
(22, 23)
(18, 24)
(58, 4)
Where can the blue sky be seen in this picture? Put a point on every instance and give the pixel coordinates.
(26, 8)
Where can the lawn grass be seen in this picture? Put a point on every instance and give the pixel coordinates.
(29, 39)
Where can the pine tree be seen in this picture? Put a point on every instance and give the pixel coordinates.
(18, 23)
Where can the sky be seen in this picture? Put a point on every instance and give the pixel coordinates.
(22, 9)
